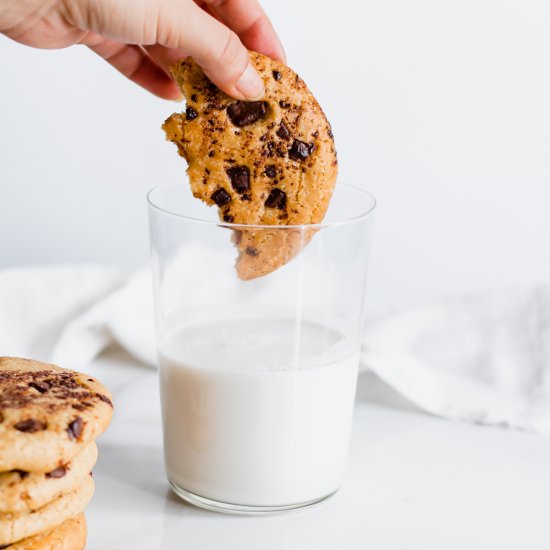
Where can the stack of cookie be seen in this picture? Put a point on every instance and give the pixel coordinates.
(49, 419)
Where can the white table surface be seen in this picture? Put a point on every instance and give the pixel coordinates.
(414, 482)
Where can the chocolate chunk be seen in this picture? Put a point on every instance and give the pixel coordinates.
(30, 426)
(243, 113)
(41, 387)
(277, 75)
(194, 97)
(276, 199)
(251, 251)
(284, 104)
(240, 178)
(300, 150)
(221, 196)
(74, 429)
(190, 113)
(104, 398)
(57, 473)
(22, 473)
(270, 171)
(283, 132)
(228, 218)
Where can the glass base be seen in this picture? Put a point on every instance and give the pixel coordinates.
(228, 508)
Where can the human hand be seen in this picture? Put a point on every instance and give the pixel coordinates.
(142, 38)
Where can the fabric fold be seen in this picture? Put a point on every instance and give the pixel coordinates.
(482, 358)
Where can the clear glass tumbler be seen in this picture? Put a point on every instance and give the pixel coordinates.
(257, 376)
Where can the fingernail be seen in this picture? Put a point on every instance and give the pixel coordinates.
(250, 85)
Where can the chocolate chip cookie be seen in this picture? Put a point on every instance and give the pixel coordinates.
(48, 415)
(22, 491)
(270, 162)
(70, 535)
(20, 525)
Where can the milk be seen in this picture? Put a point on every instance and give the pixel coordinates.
(257, 412)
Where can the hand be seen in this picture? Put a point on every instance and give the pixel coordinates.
(142, 38)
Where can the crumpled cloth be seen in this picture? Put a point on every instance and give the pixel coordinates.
(481, 358)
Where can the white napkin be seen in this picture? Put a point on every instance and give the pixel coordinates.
(482, 358)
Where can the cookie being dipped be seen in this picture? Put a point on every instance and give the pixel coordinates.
(270, 162)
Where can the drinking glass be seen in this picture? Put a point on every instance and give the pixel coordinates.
(257, 373)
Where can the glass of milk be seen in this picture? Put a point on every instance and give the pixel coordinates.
(257, 376)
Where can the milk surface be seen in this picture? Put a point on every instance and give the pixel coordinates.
(257, 412)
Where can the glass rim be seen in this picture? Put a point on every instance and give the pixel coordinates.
(219, 223)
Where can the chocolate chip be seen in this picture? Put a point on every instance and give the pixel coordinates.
(104, 398)
(2, 546)
(277, 75)
(270, 171)
(300, 150)
(41, 387)
(242, 113)
(276, 199)
(284, 104)
(30, 426)
(211, 154)
(283, 132)
(74, 429)
(330, 134)
(315, 134)
(22, 473)
(190, 113)
(221, 196)
(246, 197)
(57, 473)
(251, 251)
(228, 218)
(194, 97)
(240, 178)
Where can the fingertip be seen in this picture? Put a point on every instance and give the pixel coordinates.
(168, 91)
(250, 85)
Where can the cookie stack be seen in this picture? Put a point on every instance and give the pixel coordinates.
(49, 419)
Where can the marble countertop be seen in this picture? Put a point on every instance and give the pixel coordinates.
(414, 482)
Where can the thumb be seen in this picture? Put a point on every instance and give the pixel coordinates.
(213, 46)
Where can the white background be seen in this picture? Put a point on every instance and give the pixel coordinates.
(440, 109)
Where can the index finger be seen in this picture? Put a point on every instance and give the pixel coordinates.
(250, 22)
